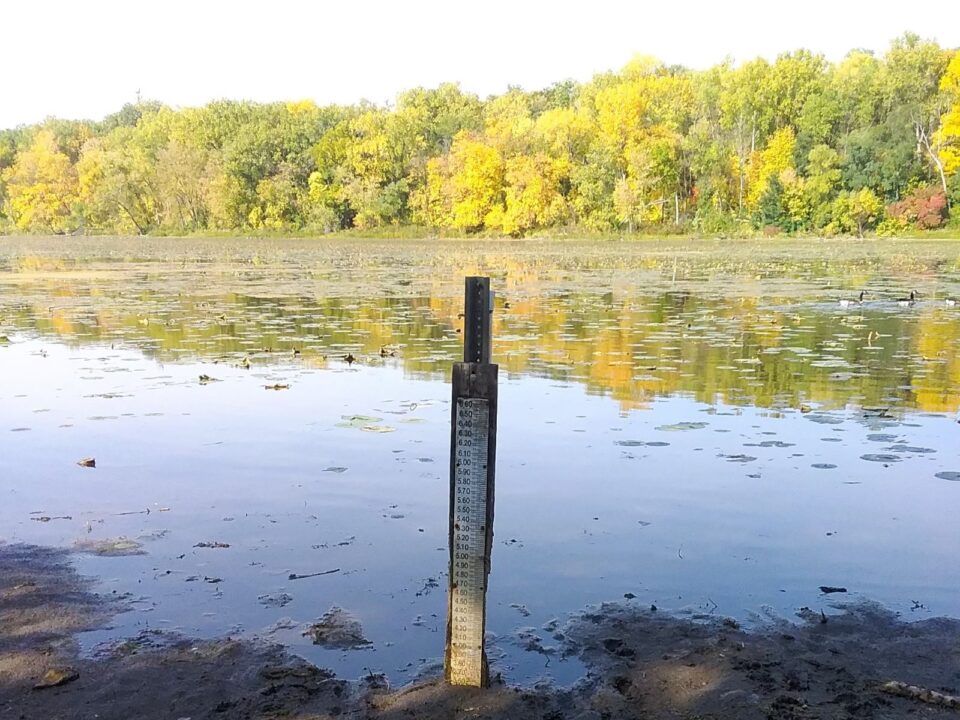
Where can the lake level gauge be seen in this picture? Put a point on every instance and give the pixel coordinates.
(472, 462)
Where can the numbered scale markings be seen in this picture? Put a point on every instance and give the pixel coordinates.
(469, 568)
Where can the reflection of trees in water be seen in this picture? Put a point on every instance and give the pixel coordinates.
(627, 344)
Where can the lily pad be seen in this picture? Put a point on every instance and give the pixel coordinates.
(681, 426)
(357, 421)
(881, 457)
(910, 449)
(378, 428)
(824, 419)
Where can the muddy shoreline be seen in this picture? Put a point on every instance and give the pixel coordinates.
(642, 663)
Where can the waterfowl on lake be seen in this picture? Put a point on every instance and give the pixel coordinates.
(908, 300)
(950, 302)
(845, 302)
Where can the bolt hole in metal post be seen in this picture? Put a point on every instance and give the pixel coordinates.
(472, 460)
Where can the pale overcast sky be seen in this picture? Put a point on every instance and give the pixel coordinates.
(84, 59)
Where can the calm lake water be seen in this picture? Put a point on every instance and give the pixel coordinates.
(701, 426)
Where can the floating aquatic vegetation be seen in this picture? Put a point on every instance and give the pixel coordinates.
(681, 426)
(110, 547)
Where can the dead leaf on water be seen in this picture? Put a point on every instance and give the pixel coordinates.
(87, 462)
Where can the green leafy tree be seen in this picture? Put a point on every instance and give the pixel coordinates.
(41, 187)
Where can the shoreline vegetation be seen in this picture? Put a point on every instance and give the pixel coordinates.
(415, 233)
(868, 145)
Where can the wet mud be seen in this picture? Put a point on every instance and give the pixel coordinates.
(641, 663)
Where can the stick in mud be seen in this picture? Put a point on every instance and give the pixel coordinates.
(922, 694)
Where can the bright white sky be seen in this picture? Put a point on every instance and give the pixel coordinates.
(85, 59)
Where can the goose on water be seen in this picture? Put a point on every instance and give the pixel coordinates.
(908, 300)
(846, 302)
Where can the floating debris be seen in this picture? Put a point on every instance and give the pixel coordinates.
(294, 576)
(87, 462)
(212, 545)
(111, 547)
(278, 600)
(522, 609)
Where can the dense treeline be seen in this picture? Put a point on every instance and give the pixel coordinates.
(799, 144)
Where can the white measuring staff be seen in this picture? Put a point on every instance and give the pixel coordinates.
(469, 568)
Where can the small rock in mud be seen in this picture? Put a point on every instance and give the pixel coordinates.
(110, 547)
(284, 623)
(531, 642)
(56, 677)
(337, 629)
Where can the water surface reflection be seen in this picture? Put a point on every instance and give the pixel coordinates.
(726, 438)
